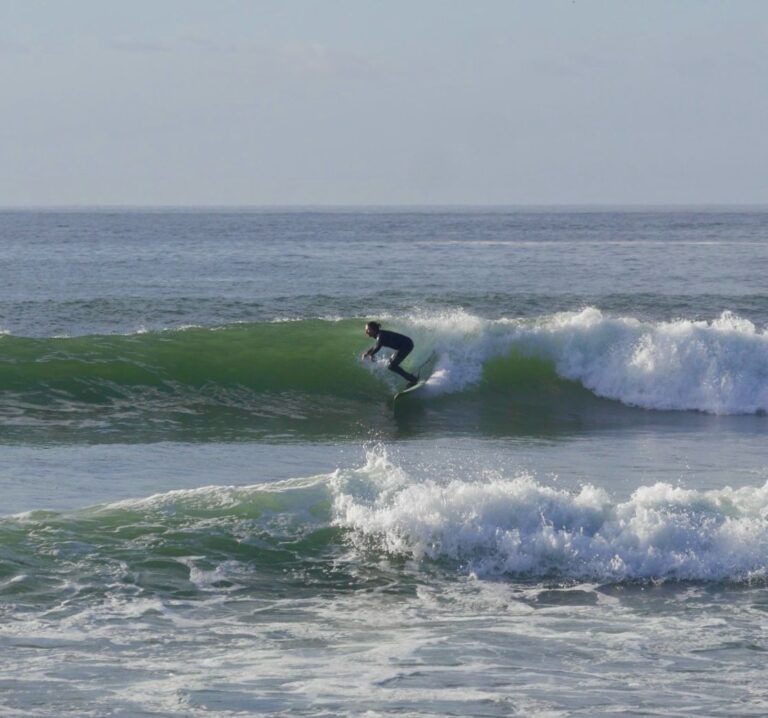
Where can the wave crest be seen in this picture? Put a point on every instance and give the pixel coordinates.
(719, 367)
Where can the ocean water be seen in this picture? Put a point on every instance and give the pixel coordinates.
(212, 507)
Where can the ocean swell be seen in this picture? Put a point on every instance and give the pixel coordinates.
(353, 526)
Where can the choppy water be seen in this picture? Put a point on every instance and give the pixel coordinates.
(213, 507)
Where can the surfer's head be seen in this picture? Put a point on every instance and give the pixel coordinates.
(372, 329)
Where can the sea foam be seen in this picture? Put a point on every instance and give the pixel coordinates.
(518, 526)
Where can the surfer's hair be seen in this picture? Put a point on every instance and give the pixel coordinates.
(373, 326)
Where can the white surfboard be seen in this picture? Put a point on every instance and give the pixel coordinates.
(423, 372)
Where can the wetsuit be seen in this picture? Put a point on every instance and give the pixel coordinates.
(402, 345)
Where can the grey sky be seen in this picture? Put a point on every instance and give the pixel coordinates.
(187, 102)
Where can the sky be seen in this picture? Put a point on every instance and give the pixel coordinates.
(383, 102)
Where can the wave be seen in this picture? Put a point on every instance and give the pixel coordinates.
(309, 372)
(352, 528)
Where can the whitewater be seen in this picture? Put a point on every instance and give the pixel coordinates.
(211, 506)
(718, 366)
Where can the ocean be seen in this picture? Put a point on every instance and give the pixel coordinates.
(211, 506)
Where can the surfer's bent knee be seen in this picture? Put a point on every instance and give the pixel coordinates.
(398, 356)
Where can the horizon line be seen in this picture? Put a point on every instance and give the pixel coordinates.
(383, 206)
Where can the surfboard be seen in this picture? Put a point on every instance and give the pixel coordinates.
(411, 389)
(424, 371)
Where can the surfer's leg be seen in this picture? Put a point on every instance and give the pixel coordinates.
(410, 378)
(394, 365)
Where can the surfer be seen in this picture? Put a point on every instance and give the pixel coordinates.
(402, 345)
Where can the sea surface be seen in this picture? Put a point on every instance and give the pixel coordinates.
(211, 506)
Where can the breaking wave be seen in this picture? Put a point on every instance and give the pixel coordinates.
(518, 526)
(337, 529)
(308, 373)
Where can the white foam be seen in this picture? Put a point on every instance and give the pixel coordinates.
(521, 527)
(719, 366)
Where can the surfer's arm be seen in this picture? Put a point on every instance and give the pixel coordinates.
(372, 351)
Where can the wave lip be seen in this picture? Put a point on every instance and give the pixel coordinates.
(519, 527)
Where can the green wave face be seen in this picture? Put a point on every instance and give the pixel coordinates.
(310, 356)
(271, 379)
(175, 545)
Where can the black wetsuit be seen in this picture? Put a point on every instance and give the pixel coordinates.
(402, 345)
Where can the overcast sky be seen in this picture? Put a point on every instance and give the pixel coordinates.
(261, 102)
